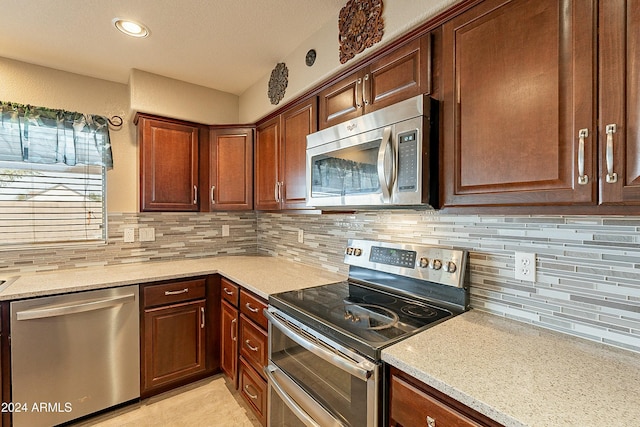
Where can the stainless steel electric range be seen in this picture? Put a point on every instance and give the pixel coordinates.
(325, 342)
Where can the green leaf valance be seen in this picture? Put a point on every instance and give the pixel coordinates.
(43, 135)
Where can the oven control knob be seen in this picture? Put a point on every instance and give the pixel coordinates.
(357, 251)
(450, 266)
(436, 264)
(424, 262)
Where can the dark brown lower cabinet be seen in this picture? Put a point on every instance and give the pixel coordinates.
(254, 390)
(229, 342)
(177, 342)
(413, 403)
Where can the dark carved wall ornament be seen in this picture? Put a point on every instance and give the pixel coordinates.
(360, 25)
(278, 83)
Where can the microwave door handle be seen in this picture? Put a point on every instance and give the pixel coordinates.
(382, 155)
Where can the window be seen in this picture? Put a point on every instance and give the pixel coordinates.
(52, 176)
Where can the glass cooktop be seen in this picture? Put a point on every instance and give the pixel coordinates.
(360, 316)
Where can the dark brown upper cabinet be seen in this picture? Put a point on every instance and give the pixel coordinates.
(168, 164)
(518, 115)
(619, 101)
(398, 75)
(280, 148)
(229, 170)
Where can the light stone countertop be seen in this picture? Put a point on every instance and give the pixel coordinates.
(262, 275)
(523, 375)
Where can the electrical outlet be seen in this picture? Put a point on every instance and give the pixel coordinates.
(147, 234)
(129, 235)
(225, 230)
(300, 236)
(525, 266)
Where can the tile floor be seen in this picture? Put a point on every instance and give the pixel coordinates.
(209, 402)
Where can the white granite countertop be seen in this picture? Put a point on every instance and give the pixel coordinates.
(522, 375)
(262, 275)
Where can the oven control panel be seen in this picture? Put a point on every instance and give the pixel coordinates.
(434, 263)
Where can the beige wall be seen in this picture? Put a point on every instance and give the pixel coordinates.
(400, 16)
(31, 84)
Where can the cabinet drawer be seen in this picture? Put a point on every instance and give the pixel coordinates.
(169, 293)
(252, 306)
(229, 291)
(254, 391)
(253, 344)
(411, 406)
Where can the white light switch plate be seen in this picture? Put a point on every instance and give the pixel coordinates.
(525, 266)
(225, 230)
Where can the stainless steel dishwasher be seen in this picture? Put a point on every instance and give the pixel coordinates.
(74, 354)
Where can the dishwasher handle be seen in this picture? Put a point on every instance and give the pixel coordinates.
(63, 310)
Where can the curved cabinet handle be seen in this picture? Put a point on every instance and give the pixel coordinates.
(611, 177)
(227, 291)
(234, 337)
(365, 98)
(195, 194)
(582, 135)
(202, 317)
(250, 347)
(358, 103)
(251, 395)
(251, 308)
(276, 192)
(181, 291)
(213, 188)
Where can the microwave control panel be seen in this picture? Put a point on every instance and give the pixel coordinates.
(408, 161)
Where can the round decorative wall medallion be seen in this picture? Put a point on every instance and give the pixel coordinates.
(360, 25)
(310, 58)
(278, 83)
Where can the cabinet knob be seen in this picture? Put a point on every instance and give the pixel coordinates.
(431, 422)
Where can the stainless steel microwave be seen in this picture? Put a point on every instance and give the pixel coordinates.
(386, 158)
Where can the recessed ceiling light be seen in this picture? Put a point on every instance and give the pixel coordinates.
(131, 28)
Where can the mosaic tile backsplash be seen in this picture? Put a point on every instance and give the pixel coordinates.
(588, 268)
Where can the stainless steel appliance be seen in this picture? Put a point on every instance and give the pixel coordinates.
(388, 158)
(74, 354)
(325, 342)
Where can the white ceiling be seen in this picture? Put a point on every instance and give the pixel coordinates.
(221, 44)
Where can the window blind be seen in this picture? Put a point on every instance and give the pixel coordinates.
(51, 203)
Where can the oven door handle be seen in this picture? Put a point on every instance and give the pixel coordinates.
(335, 359)
(289, 391)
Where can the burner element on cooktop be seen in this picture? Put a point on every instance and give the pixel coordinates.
(366, 316)
(420, 311)
(379, 298)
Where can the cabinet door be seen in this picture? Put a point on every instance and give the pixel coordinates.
(619, 98)
(229, 342)
(168, 165)
(297, 123)
(399, 75)
(267, 164)
(174, 343)
(518, 88)
(231, 169)
(341, 101)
